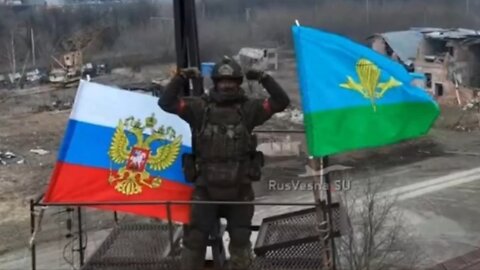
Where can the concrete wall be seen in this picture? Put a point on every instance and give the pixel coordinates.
(442, 71)
(473, 61)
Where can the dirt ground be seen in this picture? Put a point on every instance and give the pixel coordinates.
(25, 124)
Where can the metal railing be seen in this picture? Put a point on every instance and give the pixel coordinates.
(315, 163)
(36, 203)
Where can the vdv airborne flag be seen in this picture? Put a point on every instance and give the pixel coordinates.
(354, 97)
(119, 146)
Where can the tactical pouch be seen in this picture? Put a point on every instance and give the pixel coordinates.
(189, 167)
(256, 163)
(222, 179)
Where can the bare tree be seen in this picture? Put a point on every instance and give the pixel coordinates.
(377, 237)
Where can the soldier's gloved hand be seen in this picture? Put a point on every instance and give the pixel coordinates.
(255, 75)
(189, 73)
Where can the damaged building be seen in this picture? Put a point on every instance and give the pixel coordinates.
(401, 46)
(449, 59)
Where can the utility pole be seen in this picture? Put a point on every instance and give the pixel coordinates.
(32, 36)
(247, 15)
(14, 60)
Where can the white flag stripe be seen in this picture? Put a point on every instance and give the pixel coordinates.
(105, 106)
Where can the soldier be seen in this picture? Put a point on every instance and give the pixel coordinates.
(224, 160)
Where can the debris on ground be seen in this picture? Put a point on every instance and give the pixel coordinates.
(9, 158)
(57, 105)
(285, 147)
(39, 151)
(463, 128)
(293, 115)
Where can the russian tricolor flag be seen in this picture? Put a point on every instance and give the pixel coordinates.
(120, 146)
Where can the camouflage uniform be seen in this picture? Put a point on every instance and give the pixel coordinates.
(225, 160)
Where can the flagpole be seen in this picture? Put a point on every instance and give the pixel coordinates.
(324, 163)
(316, 164)
(80, 235)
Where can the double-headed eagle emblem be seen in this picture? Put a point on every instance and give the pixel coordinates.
(369, 86)
(131, 178)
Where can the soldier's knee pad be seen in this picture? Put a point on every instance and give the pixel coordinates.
(195, 239)
(240, 237)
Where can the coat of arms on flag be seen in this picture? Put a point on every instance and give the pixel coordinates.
(355, 98)
(130, 178)
(119, 146)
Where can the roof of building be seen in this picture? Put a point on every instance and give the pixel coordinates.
(447, 33)
(404, 44)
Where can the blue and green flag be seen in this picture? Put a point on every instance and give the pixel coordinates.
(354, 97)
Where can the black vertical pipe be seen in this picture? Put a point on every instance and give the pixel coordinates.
(80, 235)
(186, 41)
(178, 6)
(32, 230)
(180, 40)
(191, 36)
(192, 32)
(325, 164)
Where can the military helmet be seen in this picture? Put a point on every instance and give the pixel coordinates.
(227, 69)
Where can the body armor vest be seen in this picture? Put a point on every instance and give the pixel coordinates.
(224, 135)
(224, 147)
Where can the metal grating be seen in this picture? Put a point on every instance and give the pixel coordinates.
(136, 246)
(292, 239)
(304, 256)
(292, 229)
(340, 218)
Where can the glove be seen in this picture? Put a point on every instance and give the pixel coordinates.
(255, 75)
(188, 73)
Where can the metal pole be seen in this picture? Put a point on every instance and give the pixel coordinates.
(325, 163)
(467, 7)
(170, 226)
(179, 25)
(315, 164)
(193, 51)
(14, 58)
(80, 235)
(181, 203)
(32, 36)
(180, 39)
(32, 230)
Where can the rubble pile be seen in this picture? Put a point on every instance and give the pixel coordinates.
(57, 105)
(10, 158)
(279, 148)
(471, 108)
(293, 115)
